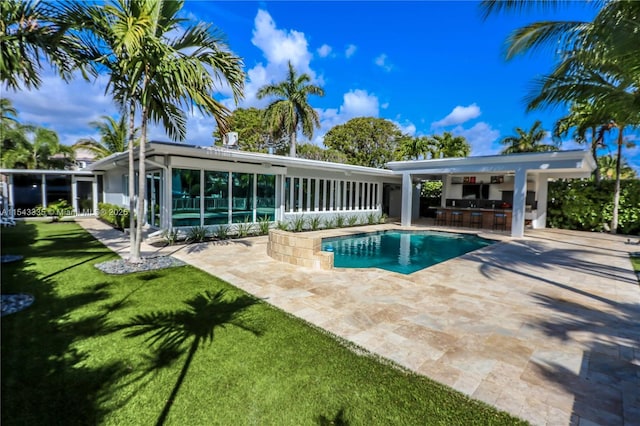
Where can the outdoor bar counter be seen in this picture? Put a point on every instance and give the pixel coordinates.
(474, 217)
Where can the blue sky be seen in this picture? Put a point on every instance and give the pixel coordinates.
(428, 66)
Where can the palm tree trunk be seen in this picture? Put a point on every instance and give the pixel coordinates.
(142, 182)
(616, 193)
(594, 153)
(132, 187)
(292, 144)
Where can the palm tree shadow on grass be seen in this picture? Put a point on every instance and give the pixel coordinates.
(168, 333)
(339, 419)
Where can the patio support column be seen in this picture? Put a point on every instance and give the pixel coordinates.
(519, 200)
(43, 190)
(407, 195)
(74, 193)
(94, 196)
(11, 199)
(540, 219)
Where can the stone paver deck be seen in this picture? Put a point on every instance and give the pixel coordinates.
(546, 327)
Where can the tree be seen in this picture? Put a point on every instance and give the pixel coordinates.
(598, 63)
(527, 141)
(253, 134)
(32, 147)
(365, 141)
(584, 118)
(414, 148)
(292, 111)
(608, 166)
(30, 32)
(8, 114)
(314, 152)
(447, 146)
(160, 66)
(113, 137)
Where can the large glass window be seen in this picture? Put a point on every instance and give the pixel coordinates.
(27, 194)
(58, 188)
(287, 194)
(266, 197)
(185, 197)
(242, 205)
(216, 198)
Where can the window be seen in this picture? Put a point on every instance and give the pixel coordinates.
(185, 197)
(242, 197)
(266, 197)
(216, 198)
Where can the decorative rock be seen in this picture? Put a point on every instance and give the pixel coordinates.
(121, 266)
(12, 303)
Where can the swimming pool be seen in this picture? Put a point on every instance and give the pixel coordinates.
(400, 251)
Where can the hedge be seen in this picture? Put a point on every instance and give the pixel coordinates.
(586, 206)
(116, 216)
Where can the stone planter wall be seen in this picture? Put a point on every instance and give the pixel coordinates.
(301, 249)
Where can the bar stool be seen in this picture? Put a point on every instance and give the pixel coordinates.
(475, 220)
(500, 221)
(441, 217)
(455, 219)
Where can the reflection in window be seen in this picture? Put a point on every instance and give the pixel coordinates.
(287, 194)
(185, 197)
(242, 201)
(27, 194)
(216, 198)
(266, 197)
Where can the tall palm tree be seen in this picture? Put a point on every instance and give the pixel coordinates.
(161, 75)
(527, 140)
(8, 114)
(414, 148)
(447, 146)
(608, 165)
(31, 31)
(113, 137)
(292, 110)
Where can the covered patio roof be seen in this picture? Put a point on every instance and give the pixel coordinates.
(546, 165)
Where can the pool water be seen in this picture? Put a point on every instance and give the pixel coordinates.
(400, 251)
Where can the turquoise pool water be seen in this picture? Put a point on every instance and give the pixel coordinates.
(400, 251)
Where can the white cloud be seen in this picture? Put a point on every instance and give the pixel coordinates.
(381, 61)
(385, 105)
(350, 50)
(407, 129)
(459, 115)
(482, 138)
(324, 50)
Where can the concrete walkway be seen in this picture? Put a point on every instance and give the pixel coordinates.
(546, 327)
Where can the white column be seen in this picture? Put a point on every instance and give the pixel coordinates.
(407, 195)
(43, 190)
(94, 191)
(519, 199)
(300, 197)
(74, 193)
(254, 207)
(542, 187)
(11, 199)
(316, 200)
(332, 187)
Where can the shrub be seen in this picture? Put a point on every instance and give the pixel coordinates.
(586, 206)
(352, 220)
(372, 219)
(197, 234)
(283, 226)
(382, 218)
(263, 225)
(314, 223)
(298, 224)
(339, 221)
(329, 223)
(170, 236)
(222, 232)
(116, 216)
(245, 228)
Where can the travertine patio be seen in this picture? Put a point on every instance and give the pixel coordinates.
(546, 327)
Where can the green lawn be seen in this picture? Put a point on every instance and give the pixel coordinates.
(179, 346)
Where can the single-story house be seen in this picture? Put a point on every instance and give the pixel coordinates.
(211, 186)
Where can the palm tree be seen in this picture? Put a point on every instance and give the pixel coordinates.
(292, 110)
(608, 165)
(585, 119)
(8, 114)
(30, 32)
(161, 75)
(527, 141)
(32, 147)
(413, 148)
(113, 137)
(447, 146)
